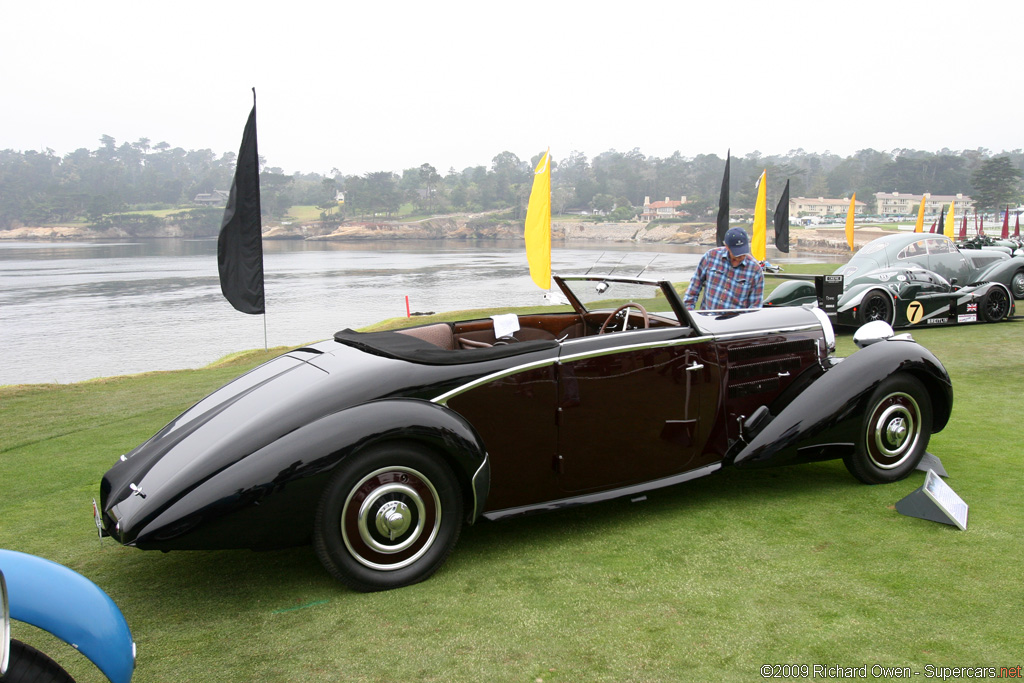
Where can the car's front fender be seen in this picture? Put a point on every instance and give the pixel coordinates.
(1001, 271)
(71, 607)
(822, 421)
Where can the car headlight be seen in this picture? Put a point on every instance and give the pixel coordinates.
(5, 627)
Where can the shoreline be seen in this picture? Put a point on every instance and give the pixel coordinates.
(818, 240)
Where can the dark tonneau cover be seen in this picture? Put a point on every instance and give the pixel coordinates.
(408, 348)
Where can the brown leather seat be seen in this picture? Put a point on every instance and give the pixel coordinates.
(439, 334)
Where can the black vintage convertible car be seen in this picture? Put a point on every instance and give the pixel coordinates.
(378, 447)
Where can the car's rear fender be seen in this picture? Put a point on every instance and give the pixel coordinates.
(268, 498)
(822, 422)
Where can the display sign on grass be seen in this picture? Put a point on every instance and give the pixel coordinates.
(935, 501)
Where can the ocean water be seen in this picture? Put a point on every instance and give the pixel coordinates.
(76, 311)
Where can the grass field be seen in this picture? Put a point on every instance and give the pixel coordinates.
(704, 581)
(302, 213)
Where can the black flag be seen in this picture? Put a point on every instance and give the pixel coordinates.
(240, 246)
(723, 205)
(782, 221)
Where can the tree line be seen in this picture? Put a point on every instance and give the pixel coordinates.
(42, 188)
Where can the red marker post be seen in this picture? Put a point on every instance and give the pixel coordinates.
(408, 314)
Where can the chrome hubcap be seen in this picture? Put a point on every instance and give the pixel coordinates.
(1018, 286)
(391, 518)
(895, 431)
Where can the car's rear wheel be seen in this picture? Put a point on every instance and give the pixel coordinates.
(1017, 284)
(875, 305)
(894, 432)
(995, 305)
(389, 517)
(29, 665)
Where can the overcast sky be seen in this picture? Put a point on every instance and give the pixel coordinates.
(368, 86)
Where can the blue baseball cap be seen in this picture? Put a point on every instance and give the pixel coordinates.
(737, 241)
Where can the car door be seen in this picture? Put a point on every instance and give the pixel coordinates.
(633, 407)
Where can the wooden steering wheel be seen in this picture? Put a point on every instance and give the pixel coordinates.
(624, 307)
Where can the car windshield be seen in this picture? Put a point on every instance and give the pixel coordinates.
(601, 293)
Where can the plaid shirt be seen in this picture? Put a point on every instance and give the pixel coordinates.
(725, 287)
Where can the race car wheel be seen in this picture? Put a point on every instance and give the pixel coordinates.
(995, 305)
(875, 305)
(1017, 284)
(28, 664)
(388, 518)
(894, 432)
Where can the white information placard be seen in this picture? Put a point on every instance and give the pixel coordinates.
(935, 501)
(505, 324)
(946, 498)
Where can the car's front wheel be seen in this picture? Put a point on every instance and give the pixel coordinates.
(29, 665)
(389, 517)
(894, 433)
(876, 305)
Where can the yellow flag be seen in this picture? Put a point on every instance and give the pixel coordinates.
(950, 221)
(849, 221)
(920, 217)
(760, 238)
(538, 225)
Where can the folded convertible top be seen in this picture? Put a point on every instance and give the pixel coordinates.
(404, 347)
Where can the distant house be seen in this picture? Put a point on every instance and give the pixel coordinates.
(215, 198)
(901, 204)
(803, 206)
(666, 209)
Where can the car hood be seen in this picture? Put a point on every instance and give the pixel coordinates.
(723, 323)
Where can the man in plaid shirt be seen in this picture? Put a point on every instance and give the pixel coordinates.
(729, 276)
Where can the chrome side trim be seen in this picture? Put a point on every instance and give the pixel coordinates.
(633, 347)
(472, 485)
(442, 399)
(603, 495)
(487, 379)
(778, 330)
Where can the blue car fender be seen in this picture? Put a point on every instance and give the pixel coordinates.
(71, 607)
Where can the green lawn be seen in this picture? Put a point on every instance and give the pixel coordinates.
(704, 581)
(301, 213)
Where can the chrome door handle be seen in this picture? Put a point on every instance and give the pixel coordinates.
(783, 374)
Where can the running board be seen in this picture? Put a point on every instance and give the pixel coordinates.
(602, 495)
